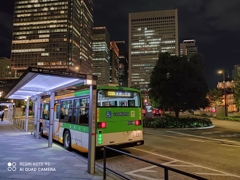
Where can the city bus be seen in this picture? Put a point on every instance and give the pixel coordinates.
(119, 120)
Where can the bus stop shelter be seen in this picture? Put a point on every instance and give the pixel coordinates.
(38, 82)
(11, 108)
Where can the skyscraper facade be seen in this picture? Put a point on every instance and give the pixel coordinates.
(101, 56)
(188, 48)
(114, 63)
(123, 64)
(6, 78)
(236, 73)
(5, 70)
(149, 34)
(52, 33)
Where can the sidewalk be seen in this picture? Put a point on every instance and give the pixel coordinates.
(24, 157)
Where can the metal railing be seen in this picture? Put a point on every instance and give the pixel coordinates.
(20, 123)
(166, 168)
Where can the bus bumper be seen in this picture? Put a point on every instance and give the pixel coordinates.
(125, 145)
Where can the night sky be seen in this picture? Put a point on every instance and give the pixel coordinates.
(214, 24)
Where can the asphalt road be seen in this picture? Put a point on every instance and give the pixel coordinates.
(210, 153)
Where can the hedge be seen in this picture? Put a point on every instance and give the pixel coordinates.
(172, 122)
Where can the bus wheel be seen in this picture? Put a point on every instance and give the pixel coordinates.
(67, 140)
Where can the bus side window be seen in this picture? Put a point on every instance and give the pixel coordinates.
(76, 114)
(66, 111)
(84, 116)
(76, 111)
(45, 112)
(83, 111)
(58, 111)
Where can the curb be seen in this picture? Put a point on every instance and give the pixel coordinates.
(209, 127)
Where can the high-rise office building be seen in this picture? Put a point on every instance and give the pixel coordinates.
(6, 78)
(188, 48)
(149, 34)
(123, 64)
(101, 56)
(5, 68)
(53, 34)
(236, 73)
(114, 63)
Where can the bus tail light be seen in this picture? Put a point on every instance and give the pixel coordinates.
(102, 124)
(138, 122)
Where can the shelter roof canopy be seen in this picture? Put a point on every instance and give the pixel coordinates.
(39, 81)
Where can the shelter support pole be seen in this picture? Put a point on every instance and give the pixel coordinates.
(13, 117)
(35, 112)
(50, 137)
(9, 113)
(26, 115)
(92, 130)
(38, 116)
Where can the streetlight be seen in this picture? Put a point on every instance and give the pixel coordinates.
(1, 94)
(77, 69)
(224, 91)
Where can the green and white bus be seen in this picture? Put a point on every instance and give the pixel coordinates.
(118, 118)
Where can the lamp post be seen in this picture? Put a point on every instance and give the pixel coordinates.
(224, 91)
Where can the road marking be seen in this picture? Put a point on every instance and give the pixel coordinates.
(196, 140)
(175, 161)
(147, 132)
(146, 169)
(231, 145)
(230, 135)
(170, 162)
(215, 132)
(170, 136)
(222, 140)
(211, 174)
(194, 165)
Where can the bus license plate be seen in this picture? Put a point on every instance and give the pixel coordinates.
(137, 134)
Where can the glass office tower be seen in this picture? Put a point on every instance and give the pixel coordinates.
(52, 34)
(149, 34)
(101, 55)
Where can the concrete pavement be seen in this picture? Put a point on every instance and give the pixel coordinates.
(22, 156)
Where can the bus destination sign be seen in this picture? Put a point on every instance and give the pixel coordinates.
(118, 94)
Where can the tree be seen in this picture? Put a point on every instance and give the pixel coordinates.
(23, 103)
(179, 84)
(236, 93)
(215, 97)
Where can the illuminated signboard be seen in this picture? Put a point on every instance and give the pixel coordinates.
(118, 94)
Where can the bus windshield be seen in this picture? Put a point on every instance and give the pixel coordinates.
(118, 98)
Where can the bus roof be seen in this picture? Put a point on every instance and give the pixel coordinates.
(118, 87)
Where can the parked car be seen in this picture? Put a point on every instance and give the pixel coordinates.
(156, 112)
